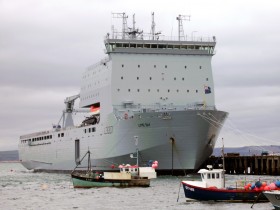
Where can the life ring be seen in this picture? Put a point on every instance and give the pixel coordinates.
(125, 116)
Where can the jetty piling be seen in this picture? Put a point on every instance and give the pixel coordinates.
(255, 165)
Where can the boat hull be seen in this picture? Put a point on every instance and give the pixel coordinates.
(274, 198)
(85, 182)
(206, 194)
(181, 142)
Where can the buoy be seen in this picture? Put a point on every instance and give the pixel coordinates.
(258, 184)
(277, 183)
(266, 188)
(125, 116)
(272, 186)
(44, 186)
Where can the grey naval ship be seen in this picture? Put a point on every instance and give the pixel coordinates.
(151, 93)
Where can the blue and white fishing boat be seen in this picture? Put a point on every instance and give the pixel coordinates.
(212, 187)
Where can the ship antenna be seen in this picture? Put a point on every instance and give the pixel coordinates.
(180, 19)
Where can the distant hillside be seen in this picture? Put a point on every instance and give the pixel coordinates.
(249, 150)
(9, 155)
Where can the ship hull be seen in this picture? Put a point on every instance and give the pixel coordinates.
(179, 140)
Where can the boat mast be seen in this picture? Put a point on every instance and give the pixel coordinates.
(180, 19)
(223, 155)
(136, 144)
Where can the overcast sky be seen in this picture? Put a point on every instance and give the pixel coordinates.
(45, 45)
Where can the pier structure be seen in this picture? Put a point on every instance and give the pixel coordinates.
(254, 165)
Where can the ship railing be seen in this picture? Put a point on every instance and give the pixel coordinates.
(119, 36)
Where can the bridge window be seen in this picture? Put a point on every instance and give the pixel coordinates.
(137, 78)
(122, 65)
(213, 176)
(185, 67)
(121, 77)
(138, 66)
(93, 129)
(155, 66)
(217, 175)
(166, 66)
(183, 78)
(208, 176)
(200, 67)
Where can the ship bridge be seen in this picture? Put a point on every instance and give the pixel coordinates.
(199, 46)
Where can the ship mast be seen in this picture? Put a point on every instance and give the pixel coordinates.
(180, 19)
(124, 22)
(153, 28)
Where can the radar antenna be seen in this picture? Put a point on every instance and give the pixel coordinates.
(180, 19)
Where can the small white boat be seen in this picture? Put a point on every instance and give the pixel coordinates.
(274, 197)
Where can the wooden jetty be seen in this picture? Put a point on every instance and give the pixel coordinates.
(255, 165)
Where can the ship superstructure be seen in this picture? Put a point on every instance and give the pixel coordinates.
(150, 89)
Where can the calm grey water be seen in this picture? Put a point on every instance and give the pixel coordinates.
(23, 189)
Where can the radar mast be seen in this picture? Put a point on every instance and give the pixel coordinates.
(180, 19)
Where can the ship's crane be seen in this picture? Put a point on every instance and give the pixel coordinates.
(69, 102)
(67, 120)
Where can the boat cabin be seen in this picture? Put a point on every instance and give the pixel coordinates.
(148, 172)
(212, 177)
(133, 170)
